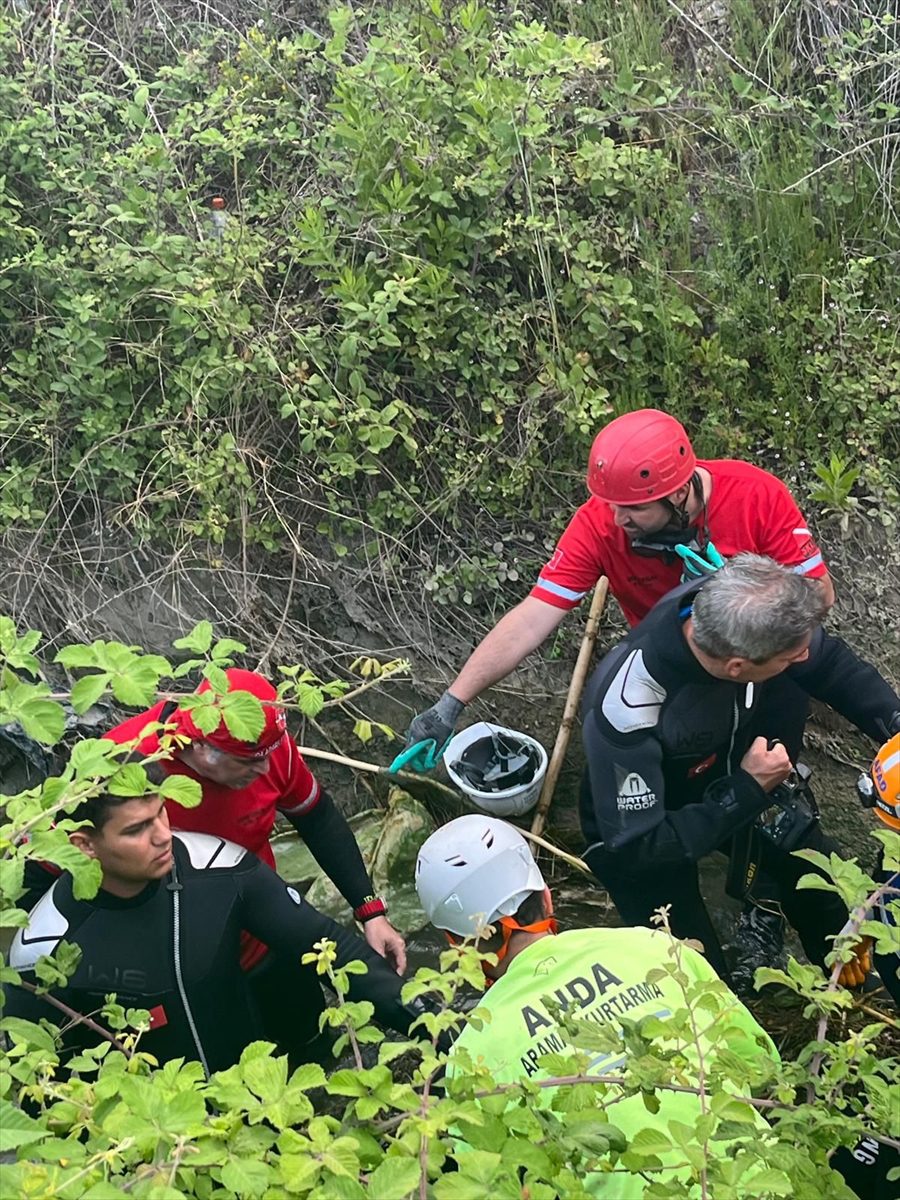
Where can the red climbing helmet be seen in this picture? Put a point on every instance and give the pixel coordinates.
(275, 722)
(640, 457)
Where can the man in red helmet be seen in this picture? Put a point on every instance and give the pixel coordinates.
(656, 516)
(245, 786)
(654, 509)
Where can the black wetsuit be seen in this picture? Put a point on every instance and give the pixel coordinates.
(215, 890)
(664, 741)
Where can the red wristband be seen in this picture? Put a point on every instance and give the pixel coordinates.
(372, 906)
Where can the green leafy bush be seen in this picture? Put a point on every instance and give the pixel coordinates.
(456, 240)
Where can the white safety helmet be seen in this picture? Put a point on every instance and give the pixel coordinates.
(472, 871)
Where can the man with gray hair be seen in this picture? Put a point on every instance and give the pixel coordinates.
(674, 771)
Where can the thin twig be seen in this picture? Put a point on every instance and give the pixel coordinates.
(721, 49)
(877, 1014)
(851, 929)
(399, 668)
(76, 1017)
(885, 137)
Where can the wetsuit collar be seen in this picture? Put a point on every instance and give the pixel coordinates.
(105, 899)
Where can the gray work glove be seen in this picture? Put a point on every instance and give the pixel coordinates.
(437, 722)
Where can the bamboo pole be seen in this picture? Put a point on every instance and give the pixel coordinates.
(572, 699)
(357, 764)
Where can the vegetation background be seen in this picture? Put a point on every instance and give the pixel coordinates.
(456, 239)
(348, 412)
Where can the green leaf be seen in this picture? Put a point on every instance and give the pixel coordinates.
(310, 699)
(346, 1083)
(265, 1075)
(246, 1177)
(363, 730)
(88, 690)
(77, 656)
(44, 720)
(183, 1111)
(891, 843)
(17, 650)
(218, 680)
(342, 1187)
(298, 1172)
(130, 780)
(308, 1075)
(17, 1128)
(452, 1186)
(729, 1108)
(341, 1158)
(53, 846)
(395, 1178)
(29, 1033)
(184, 791)
(767, 1182)
(205, 716)
(12, 877)
(225, 649)
(95, 757)
(255, 1050)
(137, 683)
(243, 715)
(199, 639)
(650, 1141)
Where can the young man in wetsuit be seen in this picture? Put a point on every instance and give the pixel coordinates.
(164, 934)
(245, 787)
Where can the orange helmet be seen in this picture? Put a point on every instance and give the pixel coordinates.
(886, 777)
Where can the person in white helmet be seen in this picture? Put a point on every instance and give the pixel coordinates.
(477, 879)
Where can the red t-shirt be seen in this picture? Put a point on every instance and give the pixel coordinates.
(243, 815)
(748, 510)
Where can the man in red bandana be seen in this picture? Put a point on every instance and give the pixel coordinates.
(245, 786)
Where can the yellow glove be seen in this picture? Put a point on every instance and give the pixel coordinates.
(853, 973)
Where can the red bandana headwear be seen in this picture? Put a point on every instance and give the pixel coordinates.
(273, 730)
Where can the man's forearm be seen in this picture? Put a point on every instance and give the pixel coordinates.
(274, 913)
(690, 833)
(827, 586)
(332, 844)
(849, 684)
(514, 636)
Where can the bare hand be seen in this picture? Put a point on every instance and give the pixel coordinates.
(386, 941)
(768, 767)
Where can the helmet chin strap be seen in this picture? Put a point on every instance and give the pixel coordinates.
(678, 531)
(509, 926)
(681, 518)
